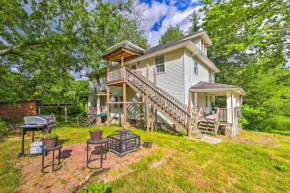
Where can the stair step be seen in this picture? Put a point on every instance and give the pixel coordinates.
(206, 128)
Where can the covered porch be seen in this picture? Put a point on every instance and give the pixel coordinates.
(203, 99)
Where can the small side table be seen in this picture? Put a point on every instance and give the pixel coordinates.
(97, 142)
(45, 151)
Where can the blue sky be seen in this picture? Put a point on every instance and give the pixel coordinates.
(160, 14)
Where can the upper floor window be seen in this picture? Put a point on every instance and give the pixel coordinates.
(203, 47)
(209, 76)
(98, 80)
(195, 67)
(160, 64)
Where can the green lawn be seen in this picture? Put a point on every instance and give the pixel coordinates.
(191, 167)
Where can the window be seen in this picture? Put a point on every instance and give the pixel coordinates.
(121, 99)
(201, 45)
(195, 67)
(134, 67)
(115, 99)
(98, 80)
(209, 76)
(206, 101)
(160, 64)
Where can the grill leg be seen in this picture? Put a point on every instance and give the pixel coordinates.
(32, 136)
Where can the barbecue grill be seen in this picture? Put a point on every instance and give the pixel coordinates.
(35, 123)
(123, 141)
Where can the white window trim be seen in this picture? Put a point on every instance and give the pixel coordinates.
(160, 64)
(194, 60)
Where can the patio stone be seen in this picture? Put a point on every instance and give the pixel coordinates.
(73, 171)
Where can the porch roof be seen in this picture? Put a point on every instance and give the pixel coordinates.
(216, 88)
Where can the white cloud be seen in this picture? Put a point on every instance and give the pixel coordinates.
(172, 16)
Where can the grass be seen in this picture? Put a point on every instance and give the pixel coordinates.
(192, 167)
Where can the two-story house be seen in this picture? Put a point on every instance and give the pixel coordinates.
(174, 81)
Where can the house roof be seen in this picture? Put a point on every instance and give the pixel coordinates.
(216, 88)
(177, 41)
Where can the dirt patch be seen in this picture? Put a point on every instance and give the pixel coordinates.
(73, 171)
(254, 138)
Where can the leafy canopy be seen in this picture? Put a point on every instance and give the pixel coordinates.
(172, 33)
(42, 42)
(250, 47)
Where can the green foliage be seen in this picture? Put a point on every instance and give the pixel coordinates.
(172, 33)
(194, 22)
(43, 42)
(281, 168)
(250, 48)
(99, 187)
(49, 135)
(95, 128)
(4, 131)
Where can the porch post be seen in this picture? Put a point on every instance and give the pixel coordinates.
(108, 96)
(196, 111)
(147, 97)
(189, 116)
(65, 114)
(98, 105)
(229, 105)
(124, 93)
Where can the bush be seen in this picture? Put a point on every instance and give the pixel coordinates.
(100, 187)
(4, 131)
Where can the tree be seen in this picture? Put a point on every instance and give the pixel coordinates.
(42, 42)
(172, 33)
(194, 19)
(250, 48)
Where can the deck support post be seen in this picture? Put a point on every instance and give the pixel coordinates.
(124, 93)
(65, 114)
(195, 107)
(147, 98)
(108, 96)
(141, 113)
(189, 116)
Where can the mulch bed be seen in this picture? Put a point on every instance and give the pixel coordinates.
(73, 172)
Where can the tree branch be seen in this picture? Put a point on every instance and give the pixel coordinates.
(10, 49)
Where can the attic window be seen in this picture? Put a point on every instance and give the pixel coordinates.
(160, 64)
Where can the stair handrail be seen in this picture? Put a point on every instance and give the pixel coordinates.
(184, 108)
(77, 117)
(164, 92)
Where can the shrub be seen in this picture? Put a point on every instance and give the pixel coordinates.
(100, 187)
(4, 131)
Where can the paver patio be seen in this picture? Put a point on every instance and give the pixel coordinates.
(73, 171)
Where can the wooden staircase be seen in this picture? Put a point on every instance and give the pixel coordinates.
(89, 121)
(176, 111)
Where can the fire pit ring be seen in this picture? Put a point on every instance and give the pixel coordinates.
(122, 142)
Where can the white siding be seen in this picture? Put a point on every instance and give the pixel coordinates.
(172, 81)
(99, 85)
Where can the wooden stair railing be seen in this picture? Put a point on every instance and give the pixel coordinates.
(162, 100)
(159, 97)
